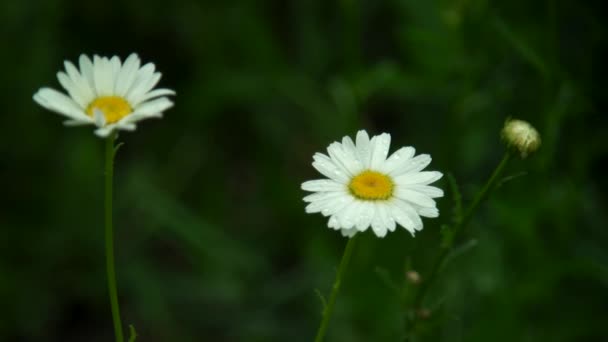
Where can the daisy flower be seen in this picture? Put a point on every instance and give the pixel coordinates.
(107, 93)
(366, 189)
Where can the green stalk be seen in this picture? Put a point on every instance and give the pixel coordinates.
(460, 226)
(327, 311)
(109, 237)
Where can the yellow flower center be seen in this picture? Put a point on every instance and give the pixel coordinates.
(113, 108)
(371, 186)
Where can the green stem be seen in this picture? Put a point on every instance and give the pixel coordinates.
(483, 194)
(460, 226)
(348, 251)
(109, 236)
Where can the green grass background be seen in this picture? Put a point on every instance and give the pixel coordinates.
(212, 240)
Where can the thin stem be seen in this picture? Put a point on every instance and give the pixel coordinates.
(483, 194)
(109, 236)
(460, 226)
(327, 311)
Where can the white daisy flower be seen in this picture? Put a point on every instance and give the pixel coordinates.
(366, 189)
(107, 93)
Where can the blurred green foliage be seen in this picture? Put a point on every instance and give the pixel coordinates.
(212, 240)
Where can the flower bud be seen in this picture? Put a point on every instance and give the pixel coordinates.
(522, 136)
(423, 313)
(413, 277)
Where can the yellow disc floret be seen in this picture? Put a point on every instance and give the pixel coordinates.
(113, 108)
(371, 186)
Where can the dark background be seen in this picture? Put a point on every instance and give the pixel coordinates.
(212, 240)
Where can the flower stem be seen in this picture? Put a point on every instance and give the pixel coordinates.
(483, 194)
(458, 228)
(327, 310)
(109, 236)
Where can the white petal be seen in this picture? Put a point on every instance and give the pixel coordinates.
(411, 213)
(414, 197)
(136, 96)
(365, 216)
(431, 191)
(126, 126)
(105, 131)
(73, 123)
(422, 178)
(383, 210)
(337, 205)
(323, 185)
(428, 212)
(397, 159)
(333, 222)
(99, 117)
(72, 89)
(363, 148)
(351, 165)
(102, 75)
(415, 164)
(377, 222)
(80, 82)
(115, 67)
(401, 218)
(314, 207)
(322, 196)
(348, 214)
(349, 147)
(127, 75)
(326, 167)
(379, 150)
(86, 68)
(152, 94)
(327, 203)
(142, 78)
(349, 232)
(58, 102)
(153, 108)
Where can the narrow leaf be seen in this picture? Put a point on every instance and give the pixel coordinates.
(388, 281)
(322, 299)
(457, 197)
(117, 147)
(132, 333)
(460, 250)
(507, 179)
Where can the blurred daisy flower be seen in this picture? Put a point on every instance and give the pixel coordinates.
(366, 189)
(107, 93)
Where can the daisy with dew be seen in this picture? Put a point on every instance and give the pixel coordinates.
(107, 93)
(367, 188)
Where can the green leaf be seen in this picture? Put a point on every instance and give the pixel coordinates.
(457, 197)
(132, 333)
(388, 281)
(507, 179)
(460, 250)
(322, 298)
(117, 147)
(447, 235)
